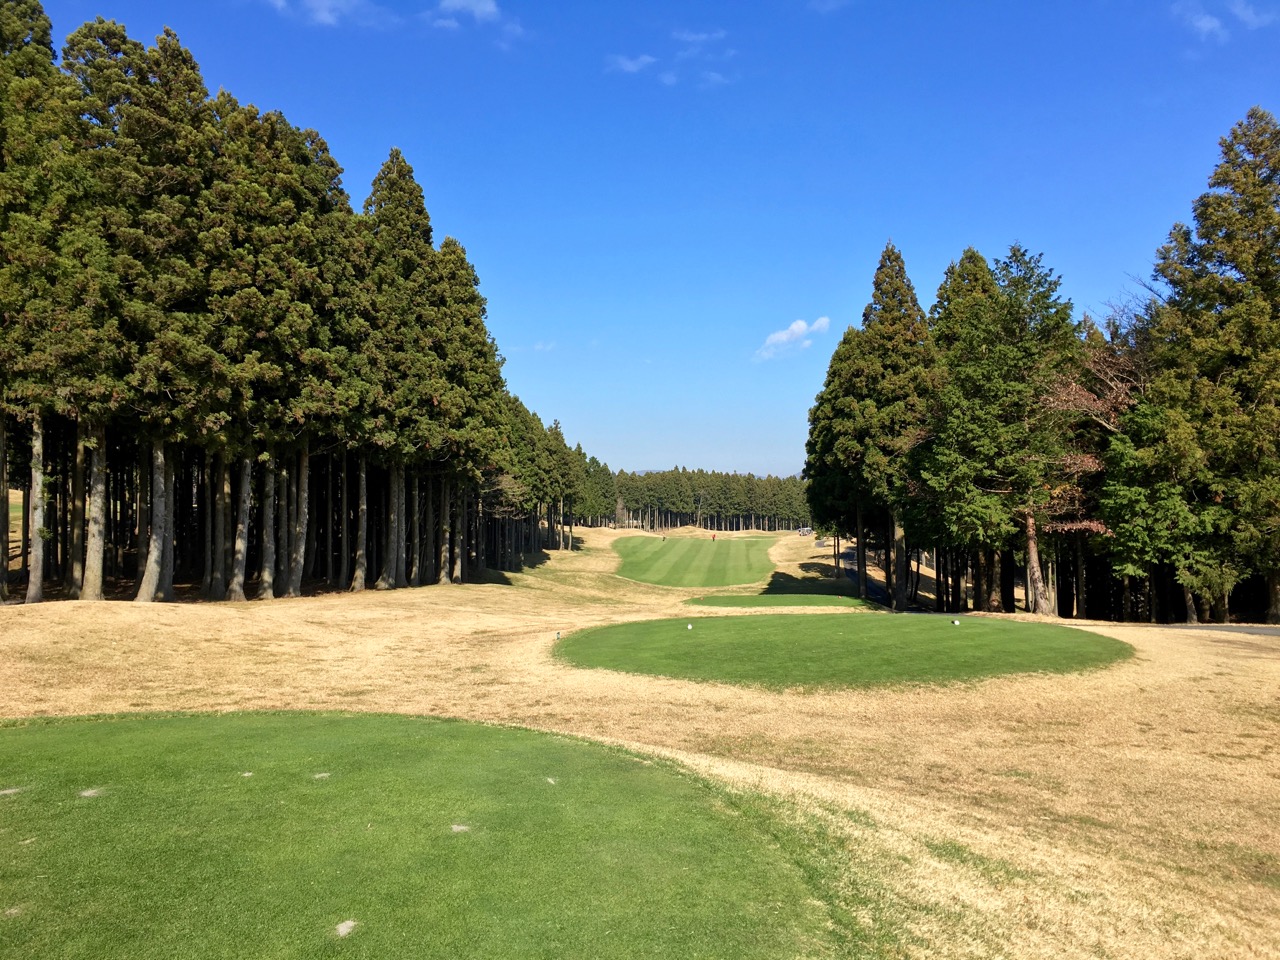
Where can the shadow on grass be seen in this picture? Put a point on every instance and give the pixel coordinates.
(786, 584)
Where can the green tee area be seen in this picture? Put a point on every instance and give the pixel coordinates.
(832, 651)
(695, 561)
(260, 835)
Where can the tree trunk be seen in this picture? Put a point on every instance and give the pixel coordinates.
(96, 545)
(430, 553)
(995, 591)
(1008, 573)
(206, 581)
(901, 562)
(402, 531)
(1273, 596)
(311, 548)
(150, 581)
(861, 553)
(328, 522)
(344, 538)
(1081, 596)
(142, 513)
(221, 496)
(284, 494)
(4, 528)
(1190, 600)
(1035, 580)
(387, 576)
(958, 565)
(445, 511)
(75, 580)
(941, 601)
(35, 565)
(362, 526)
(415, 535)
(164, 592)
(459, 515)
(980, 578)
(297, 556)
(835, 556)
(267, 571)
(240, 561)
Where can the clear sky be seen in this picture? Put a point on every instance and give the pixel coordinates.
(676, 208)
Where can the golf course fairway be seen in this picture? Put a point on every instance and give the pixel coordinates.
(830, 651)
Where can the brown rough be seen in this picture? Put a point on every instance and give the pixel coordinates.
(1129, 812)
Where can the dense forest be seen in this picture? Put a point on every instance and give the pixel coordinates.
(1127, 469)
(214, 371)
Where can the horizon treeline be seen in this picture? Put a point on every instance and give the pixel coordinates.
(1127, 469)
(713, 500)
(213, 369)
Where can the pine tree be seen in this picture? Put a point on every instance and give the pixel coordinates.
(1214, 344)
(876, 404)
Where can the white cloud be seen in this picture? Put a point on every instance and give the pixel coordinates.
(330, 13)
(622, 64)
(449, 15)
(698, 39)
(480, 9)
(1251, 16)
(1204, 24)
(668, 78)
(798, 336)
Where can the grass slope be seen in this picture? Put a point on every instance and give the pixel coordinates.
(694, 561)
(782, 651)
(779, 600)
(439, 839)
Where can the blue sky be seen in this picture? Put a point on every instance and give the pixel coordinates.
(676, 208)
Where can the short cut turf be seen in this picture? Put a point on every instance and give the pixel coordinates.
(695, 561)
(832, 651)
(779, 600)
(259, 835)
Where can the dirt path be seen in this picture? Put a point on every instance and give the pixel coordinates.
(1131, 812)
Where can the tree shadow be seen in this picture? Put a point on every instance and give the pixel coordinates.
(822, 581)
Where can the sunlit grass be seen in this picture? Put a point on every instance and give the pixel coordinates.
(259, 835)
(695, 561)
(784, 651)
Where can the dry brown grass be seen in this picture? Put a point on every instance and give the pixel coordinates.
(1132, 812)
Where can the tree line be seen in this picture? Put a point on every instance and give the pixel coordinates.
(213, 369)
(1128, 469)
(665, 499)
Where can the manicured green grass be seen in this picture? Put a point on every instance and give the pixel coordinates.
(695, 561)
(439, 839)
(783, 651)
(779, 600)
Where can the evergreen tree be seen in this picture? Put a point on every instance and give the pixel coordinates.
(1214, 344)
(874, 410)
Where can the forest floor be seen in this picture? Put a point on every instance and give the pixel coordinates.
(1133, 811)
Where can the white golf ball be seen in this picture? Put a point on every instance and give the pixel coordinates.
(955, 623)
(691, 626)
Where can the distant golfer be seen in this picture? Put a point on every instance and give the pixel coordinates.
(713, 537)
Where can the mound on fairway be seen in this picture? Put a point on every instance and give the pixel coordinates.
(267, 835)
(779, 600)
(828, 651)
(694, 561)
